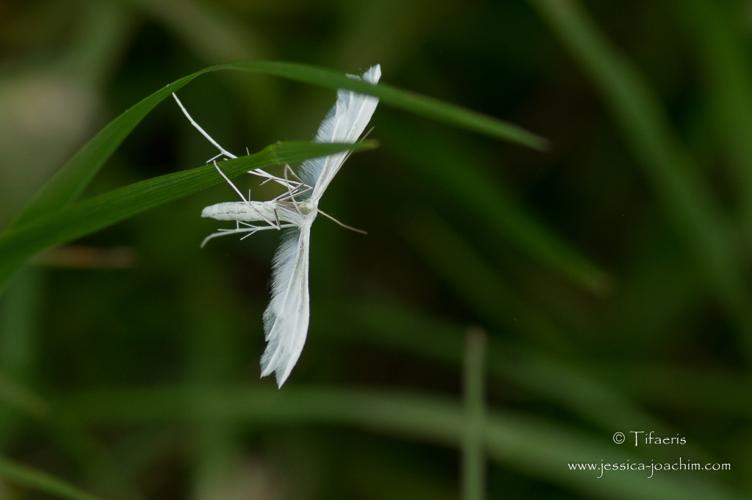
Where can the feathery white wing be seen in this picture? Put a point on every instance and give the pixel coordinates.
(286, 317)
(345, 122)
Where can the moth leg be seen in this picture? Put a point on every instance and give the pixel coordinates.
(300, 189)
(295, 191)
(222, 153)
(300, 186)
(269, 177)
(247, 231)
(285, 182)
(213, 158)
(304, 189)
(291, 195)
(289, 169)
(248, 200)
(232, 184)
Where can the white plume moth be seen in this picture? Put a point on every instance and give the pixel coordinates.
(286, 318)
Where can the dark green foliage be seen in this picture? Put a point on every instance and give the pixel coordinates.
(607, 267)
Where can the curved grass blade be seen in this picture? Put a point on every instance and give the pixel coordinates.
(39, 481)
(721, 48)
(536, 447)
(394, 326)
(75, 175)
(477, 284)
(456, 170)
(473, 454)
(667, 165)
(427, 107)
(80, 219)
(19, 352)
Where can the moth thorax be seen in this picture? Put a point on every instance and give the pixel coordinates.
(307, 207)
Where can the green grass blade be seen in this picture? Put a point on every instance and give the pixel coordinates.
(75, 175)
(427, 107)
(19, 346)
(478, 284)
(654, 385)
(216, 450)
(536, 447)
(39, 481)
(95, 213)
(403, 329)
(722, 53)
(21, 407)
(665, 162)
(455, 170)
(473, 453)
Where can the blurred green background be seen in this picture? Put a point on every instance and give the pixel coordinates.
(608, 275)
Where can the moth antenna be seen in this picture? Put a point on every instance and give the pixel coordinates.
(348, 153)
(367, 133)
(203, 132)
(354, 229)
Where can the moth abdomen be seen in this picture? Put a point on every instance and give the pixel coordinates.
(245, 211)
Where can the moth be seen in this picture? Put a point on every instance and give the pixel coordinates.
(293, 212)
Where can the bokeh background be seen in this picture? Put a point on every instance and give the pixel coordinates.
(599, 286)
